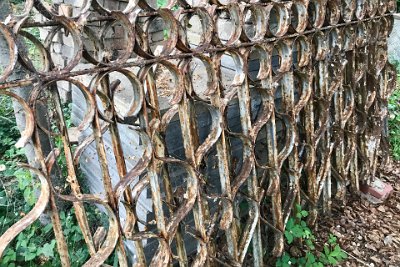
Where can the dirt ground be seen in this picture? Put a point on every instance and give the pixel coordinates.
(370, 234)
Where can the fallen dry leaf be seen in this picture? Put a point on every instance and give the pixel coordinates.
(370, 246)
(376, 259)
(368, 232)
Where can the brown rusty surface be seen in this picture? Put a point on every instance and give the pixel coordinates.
(323, 82)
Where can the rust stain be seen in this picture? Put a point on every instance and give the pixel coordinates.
(310, 118)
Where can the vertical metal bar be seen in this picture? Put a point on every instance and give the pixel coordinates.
(228, 221)
(156, 164)
(155, 113)
(121, 165)
(287, 85)
(252, 182)
(62, 246)
(274, 175)
(72, 178)
(190, 141)
(102, 156)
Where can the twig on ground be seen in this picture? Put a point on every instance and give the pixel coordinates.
(354, 257)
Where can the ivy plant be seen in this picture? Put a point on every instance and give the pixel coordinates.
(36, 245)
(394, 119)
(298, 230)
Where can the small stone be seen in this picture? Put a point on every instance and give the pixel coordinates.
(388, 240)
(73, 134)
(377, 192)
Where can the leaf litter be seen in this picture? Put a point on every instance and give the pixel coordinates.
(368, 233)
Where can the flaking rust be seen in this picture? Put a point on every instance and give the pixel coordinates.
(322, 81)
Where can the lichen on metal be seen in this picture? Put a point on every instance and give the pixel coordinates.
(321, 83)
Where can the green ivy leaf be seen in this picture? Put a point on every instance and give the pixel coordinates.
(310, 258)
(298, 207)
(310, 244)
(297, 231)
(286, 258)
(48, 249)
(290, 224)
(323, 258)
(307, 233)
(336, 251)
(9, 256)
(332, 260)
(326, 250)
(343, 254)
(332, 239)
(23, 177)
(302, 262)
(48, 228)
(304, 213)
(29, 256)
(29, 196)
(289, 237)
(76, 238)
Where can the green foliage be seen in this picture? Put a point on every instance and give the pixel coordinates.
(9, 157)
(394, 123)
(394, 118)
(161, 3)
(32, 49)
(297, 229)
(17, 2)
(17, 5)
(9, 134)
(36, 245)
(33, 245)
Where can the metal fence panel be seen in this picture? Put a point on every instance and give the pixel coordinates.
(295, 118)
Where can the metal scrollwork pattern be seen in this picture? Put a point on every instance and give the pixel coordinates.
(310, 118)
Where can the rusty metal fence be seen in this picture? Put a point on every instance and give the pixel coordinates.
(321, 77)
